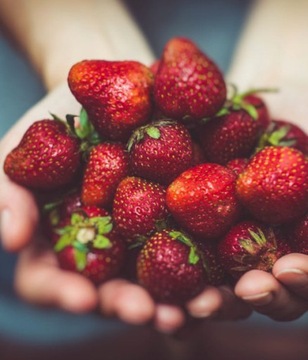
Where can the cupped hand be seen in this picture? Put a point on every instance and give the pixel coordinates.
(38, 278)
(282, 295)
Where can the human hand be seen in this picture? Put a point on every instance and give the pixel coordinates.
(282, 295)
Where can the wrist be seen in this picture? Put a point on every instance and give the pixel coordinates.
(55, 34)
(272, 51)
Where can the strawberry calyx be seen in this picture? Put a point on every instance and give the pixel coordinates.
(80, 127)
(275, 137)
(83, 129)
(236, 101)
(260, 251)
(84, 233)
(140, 240)
(193, 256)
(151, 130)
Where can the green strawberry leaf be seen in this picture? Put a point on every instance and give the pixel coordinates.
(276, 137)
(54, 217)
(252, 111)
(76, 218)
(136, 136)
(101, 242)
(250, 246)
(193, 257)
(85, 128)
(178, 235)
(64, 241)
(103, 224)
(52, 205)
(80, 246)
(153, 132)
(223, 111)
(80, 259)
(56, 117)
(259, 237)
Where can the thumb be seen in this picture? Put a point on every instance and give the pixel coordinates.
(18, 215)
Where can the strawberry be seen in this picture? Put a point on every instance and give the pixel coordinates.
(106, 166)
(285, 133)
(274, 185)
(251, 245)
(117, 95)
(214, 272)
(229, 136)
(203, 200)
(87, 244)
(188, 84)
(170, 268)
(47, 157)
(160, 151)
(139, 208)
(298, 234)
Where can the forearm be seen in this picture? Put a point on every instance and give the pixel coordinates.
(273, 49)
(54, 34)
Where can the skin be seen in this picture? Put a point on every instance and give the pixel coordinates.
(282, 295)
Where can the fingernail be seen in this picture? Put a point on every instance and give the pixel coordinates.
(203, 314)
(259, 299)
(5, 222)
(200, 308)
(296, 277)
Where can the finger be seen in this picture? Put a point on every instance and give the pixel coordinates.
(268, 296)
(292, 271)
(168, 318)
(127, 301)
(40, 281)
(218, 302)
(18, 214)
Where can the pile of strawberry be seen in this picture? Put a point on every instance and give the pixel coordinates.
(165, 177)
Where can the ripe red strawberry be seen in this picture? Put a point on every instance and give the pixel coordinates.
(298, 234)
(107, 165)
(203, 200)
(160, 151)
(117, 95)
(285, 133)
(139, 208)
(47, 157)
(214, 272)
(188, 85)
(170, 268)
(251, 245)
(88, 244)
(274, 185)
(229, 136)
